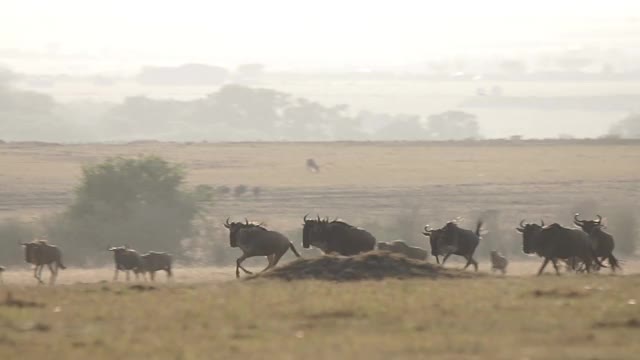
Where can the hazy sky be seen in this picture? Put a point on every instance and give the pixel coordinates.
(121, 35)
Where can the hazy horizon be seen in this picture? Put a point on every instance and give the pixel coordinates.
(119, 37)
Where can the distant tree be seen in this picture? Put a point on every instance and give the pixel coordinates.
(141, 202)
(629, 127)
(453, 125)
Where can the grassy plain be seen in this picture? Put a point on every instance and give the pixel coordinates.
(569, 317)
(206, 314)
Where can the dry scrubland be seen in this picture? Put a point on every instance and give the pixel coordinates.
(205, 313)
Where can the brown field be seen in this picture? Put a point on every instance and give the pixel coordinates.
(443, 180)
(205, 313)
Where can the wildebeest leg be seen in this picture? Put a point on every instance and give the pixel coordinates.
(544, 264)
(437, 260)
(554, 261)
(239, 266)
(152, 275)
(445, 258)
(127, 272)
(54, 273)
(470, 261)
(270, 260)
(35, 274)
(277, 258)
(115, 275)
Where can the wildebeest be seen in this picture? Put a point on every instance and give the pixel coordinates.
(400, 247)
(603, 243)
(556, 242)
(155, 261)
(336, 237)
(126, 260)
(2, 269)
(256, 240)
(498, 262)
(451, 239)
(40, 253)
(312, 166)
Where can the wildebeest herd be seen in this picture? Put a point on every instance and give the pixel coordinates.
(582, 249)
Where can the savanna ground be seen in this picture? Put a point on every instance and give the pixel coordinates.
(205, 313)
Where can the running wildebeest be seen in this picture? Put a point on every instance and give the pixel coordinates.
(603, 243)
(155, 261)
(40, 253)
(557, 242)
(400, 247)
(312, 166)
(453, 240)
(126, 260)
(336, 237)
(498, 262)
(256, 240)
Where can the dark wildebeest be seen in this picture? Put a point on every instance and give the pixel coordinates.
(400, 247)
(256, 240)
(498, 262)
(312, 166)
(126, 260)
(603, 243)
(336, 237)
(40, 253)
(556, 242)
(453, 240)
(2, 269)
(155, 261)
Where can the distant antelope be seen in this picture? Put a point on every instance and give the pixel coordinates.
(498, 262)
(312, 166)
(40, 253)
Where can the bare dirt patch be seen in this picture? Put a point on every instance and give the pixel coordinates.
(370, 266)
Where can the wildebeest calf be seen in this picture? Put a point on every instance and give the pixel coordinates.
(155, 261)
(40, 253)
(126, 260)
(400, 247)
(498, 262)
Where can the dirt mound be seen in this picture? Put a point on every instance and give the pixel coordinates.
(370, 266)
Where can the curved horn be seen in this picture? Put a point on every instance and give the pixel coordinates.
(522, 223)
(318, 218)
(575, 218)
(305, 217)
(246, 221)
(541, 222)
(599, 219)
(426, 227)
(227, 222)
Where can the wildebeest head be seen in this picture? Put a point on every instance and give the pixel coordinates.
(529, 233)
(588, 225)
(118, 250)
(235, 227)
(311, 228)
(30, 250)
(434, 238)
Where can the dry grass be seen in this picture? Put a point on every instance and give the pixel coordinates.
(572, 317)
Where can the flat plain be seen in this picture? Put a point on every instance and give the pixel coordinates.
(206, 313)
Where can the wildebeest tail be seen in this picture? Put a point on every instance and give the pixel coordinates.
(293, 248)
(478, 228)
